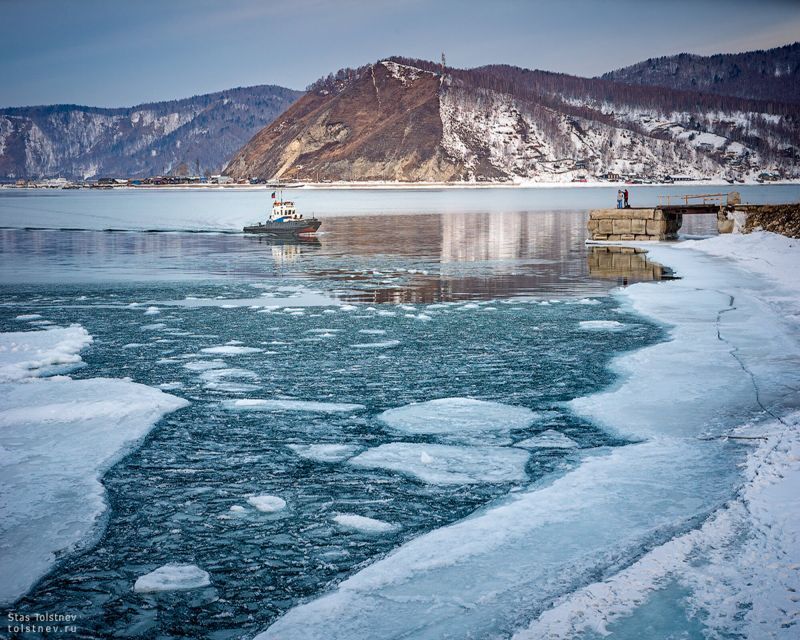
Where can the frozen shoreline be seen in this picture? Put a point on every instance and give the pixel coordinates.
(733, 354)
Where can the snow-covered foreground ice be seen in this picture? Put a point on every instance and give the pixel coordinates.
(56, 437)
(741, 560)
(732, 357)
(447, 464)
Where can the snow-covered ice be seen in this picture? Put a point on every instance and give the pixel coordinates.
(267, 504)
(172, 577)
(325, 452)
(447, 464)
(58, 436)
(363, 523)
(26, 354)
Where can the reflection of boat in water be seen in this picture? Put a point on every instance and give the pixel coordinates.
(284, 221)
(287, 240)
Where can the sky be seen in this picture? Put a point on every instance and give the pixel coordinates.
(115, 53)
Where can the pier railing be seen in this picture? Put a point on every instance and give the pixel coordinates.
(719, 199)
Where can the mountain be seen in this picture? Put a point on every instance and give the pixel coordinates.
(198, 134)
(408, 120)
(773, 74)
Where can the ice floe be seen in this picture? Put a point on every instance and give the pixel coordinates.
(458, 418)
(153, 327)
(325, 452)
(267, 504)
(549, 439)
(205, 365)
(172, 577)
(600, 325)
(363, 524)
(256, 404)
(152, 311)
(447, 464)
(231, 350)
(385, 344)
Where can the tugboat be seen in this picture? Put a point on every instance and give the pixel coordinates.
(284, 221)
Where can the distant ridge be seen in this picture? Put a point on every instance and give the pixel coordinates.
(197, 134)
(771, 74)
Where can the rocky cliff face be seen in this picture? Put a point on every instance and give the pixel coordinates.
(199, 133)
(398, 121)
(382, 123)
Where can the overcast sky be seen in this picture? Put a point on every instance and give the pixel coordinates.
(115, 53)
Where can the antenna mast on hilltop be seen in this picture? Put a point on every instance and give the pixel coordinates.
(444, 62)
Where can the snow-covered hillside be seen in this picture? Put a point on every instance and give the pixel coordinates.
(198, 134)
(496, 135)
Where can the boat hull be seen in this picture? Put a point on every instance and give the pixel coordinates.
(284, 229)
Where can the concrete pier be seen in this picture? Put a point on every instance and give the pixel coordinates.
(634, 224)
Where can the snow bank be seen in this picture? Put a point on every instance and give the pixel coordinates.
(325, 452)
(363, 524)
(458, 418)
(731, 355)
(248, 404)
(447, 464)
(172, 577)
(57, 437)
(740, 566)
(267, 504)
(27, 354)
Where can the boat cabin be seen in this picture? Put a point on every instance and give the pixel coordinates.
(284, 210)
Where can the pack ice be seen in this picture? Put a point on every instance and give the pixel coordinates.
(57, 437)
(731, 358)
(447, 464)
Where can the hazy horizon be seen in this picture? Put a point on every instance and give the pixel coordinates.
(119, 54)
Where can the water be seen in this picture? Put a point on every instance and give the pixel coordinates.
(454, 306)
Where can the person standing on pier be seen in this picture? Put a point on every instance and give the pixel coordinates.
(625, 193)
(619, 198)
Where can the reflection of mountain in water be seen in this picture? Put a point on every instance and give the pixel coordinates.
(467, 255)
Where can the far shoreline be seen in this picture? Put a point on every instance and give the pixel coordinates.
(414, 186)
